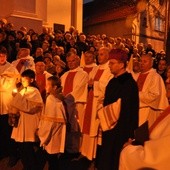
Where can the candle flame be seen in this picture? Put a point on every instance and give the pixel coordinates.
(15, 90)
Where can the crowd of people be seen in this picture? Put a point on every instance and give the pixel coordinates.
(82, 95)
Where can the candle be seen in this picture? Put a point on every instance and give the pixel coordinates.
(15, 91)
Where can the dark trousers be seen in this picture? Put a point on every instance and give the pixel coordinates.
(53, 161)
(108, 156)
(28, 155)
(7, 145)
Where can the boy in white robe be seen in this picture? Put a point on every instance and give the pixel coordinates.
(52, 128)
(28, 104)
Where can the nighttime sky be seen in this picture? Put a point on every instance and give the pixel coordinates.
(86, 1)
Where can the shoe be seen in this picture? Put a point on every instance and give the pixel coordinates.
(92, 166)
(78, 158)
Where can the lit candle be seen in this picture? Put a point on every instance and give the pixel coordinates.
(15, 91)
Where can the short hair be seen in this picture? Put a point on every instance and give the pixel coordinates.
(48, 55)
(92, 47)
(23, 52)
(73, 50)
(56, 57)
(61, 48)
(38, 59)
(105, 49)
(3, 50)
(91, 53)
(77, 58)
(148, 55)
(28, 73)
(55, 81)
(162, 59)
(70, 53)
(39, 48)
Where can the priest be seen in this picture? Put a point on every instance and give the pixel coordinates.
(123, 87)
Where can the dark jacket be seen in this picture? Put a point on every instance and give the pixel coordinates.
(124, 87)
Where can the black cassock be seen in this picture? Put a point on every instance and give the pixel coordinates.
(124, 87)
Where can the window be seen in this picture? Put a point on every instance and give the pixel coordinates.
(144, 23)
(159, 22)
(58, 27)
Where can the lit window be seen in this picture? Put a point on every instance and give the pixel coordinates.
(159, 24)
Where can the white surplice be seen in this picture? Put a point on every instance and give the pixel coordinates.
(152, 98)
(90, 141)
(92, 66)
(154, 154)
(29, 64)
(52, 127)
(26, 103)
(8, 78)
(79, 92)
